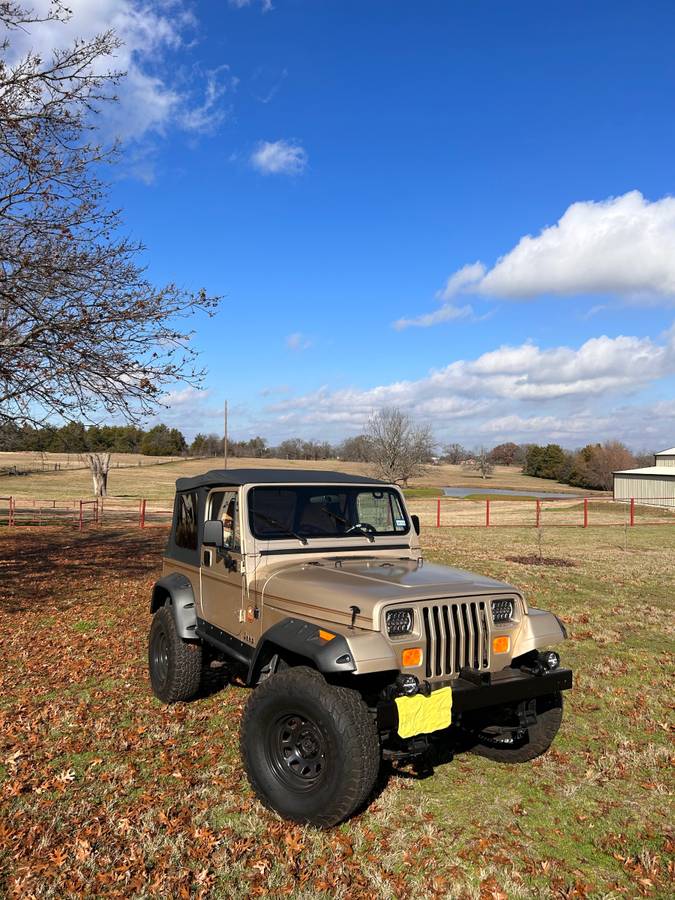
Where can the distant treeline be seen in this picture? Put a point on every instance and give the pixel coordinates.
(591, 467)
(76, 438)
(164, 441)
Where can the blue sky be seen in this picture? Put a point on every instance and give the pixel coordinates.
(328, 165)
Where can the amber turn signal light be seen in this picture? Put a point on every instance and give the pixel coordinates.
(412, 656)
(501, 644)
(326, 635)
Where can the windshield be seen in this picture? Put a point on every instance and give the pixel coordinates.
(320, 511)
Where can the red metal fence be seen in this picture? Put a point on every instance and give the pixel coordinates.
(581, 512)
(81, 514)
(441, 512)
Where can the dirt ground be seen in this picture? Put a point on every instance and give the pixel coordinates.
(106, 792)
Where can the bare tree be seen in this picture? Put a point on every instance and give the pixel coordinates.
(99, 463)
(82, 330)
(399, 448)
(480, 462)
(454, 454)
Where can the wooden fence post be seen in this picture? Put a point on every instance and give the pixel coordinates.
(81, 520)
(585, 512)
(538, 515)
(632, 511)
(141, 512)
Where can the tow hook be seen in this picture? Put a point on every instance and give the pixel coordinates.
(527, 713)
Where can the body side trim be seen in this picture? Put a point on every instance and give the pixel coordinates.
(235, 648)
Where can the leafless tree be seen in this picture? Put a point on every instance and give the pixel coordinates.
(400, 450)
(480, 462)
(83, 332)
(99, 463)
(454, 454)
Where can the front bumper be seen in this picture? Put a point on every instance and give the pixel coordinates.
(505, 688)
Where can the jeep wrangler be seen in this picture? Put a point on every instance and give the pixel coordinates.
(312, 588)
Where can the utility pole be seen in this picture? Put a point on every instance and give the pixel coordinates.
(225, 437)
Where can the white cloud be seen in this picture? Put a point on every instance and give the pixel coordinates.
(152, 97)
(446, 313)
(265, 5)
(279, 158)
(461, 279)
(298, 341)
(623, 247)
(501, 392)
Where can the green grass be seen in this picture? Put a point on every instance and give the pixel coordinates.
(422, 493)
(499, 497)
(103, 788)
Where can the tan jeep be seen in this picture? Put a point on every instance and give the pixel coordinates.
(311, 585)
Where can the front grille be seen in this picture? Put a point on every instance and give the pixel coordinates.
(457, 636)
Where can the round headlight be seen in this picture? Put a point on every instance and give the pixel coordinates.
(550, 659)
(408, 684)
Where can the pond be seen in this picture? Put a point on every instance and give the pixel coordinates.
(540, 495)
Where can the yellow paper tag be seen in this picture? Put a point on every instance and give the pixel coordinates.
(422, 715)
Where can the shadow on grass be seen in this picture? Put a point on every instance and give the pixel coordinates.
(55, 563)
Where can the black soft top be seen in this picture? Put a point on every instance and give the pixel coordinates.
(236, 477)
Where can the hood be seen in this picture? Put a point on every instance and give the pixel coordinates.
(330, 586)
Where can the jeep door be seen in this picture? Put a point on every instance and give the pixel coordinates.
(221, 576)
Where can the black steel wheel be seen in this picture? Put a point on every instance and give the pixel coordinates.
(175, 665)
(297, 752)
(311, 750)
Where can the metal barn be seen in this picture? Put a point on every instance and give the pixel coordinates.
(653, 485)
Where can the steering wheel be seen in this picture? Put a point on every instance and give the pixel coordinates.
(362, 526)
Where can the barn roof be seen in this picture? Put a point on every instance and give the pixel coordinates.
(670, 452)
(663, 471)
(237, 477)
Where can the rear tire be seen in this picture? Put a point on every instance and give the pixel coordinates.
(175, 665)
(311, 751)
(533, 742)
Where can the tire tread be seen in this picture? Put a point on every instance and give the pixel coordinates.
(186, 672)
(358, 738)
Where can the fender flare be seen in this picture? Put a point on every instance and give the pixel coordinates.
(302, 639)
(540, 629)
(176, 591)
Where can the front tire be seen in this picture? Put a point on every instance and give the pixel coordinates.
(519, 747)
(311, 751)
(175, 665)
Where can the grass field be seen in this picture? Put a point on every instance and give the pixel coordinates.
(158, 482)
(105, 791)
(51, 462)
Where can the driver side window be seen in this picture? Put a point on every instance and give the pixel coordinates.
(225, 506)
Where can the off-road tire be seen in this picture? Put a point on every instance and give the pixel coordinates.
(175, 665)
(536, 742)
(337, 724)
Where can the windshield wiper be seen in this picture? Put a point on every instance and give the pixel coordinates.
(343, 521)
(280, 526)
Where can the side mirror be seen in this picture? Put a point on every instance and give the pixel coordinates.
(213, 534)
(416, 523)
